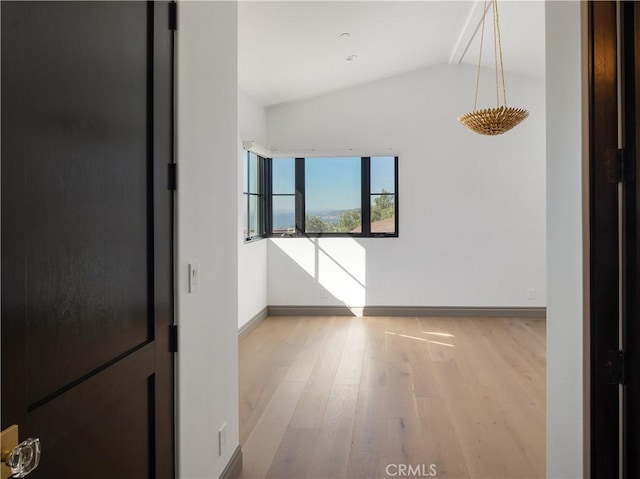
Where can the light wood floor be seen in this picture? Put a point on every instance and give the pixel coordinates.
(345, 397)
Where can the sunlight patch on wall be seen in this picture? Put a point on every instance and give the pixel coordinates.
(319, 271)
(342, 268)
(302, 253)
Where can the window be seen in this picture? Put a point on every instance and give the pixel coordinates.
(254, 182)
(283, 196)
(382, 195)
(347, 196)
(333, 192)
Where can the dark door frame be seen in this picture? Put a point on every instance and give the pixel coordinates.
(630, 40)
(614, 107)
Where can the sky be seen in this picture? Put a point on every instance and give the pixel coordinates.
(332, 183)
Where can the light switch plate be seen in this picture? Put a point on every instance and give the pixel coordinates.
(194, 277)
(222, 439)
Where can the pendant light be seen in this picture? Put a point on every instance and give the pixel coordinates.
(498, 120)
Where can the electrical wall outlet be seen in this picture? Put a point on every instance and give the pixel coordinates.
(324, 293)
(531, 293)
(222, 439)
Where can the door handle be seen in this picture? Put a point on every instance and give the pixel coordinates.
(18, 460)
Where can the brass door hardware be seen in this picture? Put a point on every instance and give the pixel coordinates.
(18, 460)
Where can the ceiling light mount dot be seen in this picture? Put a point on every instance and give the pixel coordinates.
(351, 58)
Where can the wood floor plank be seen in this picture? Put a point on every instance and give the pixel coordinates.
(479, 417)
(311, 408)
(332, 452)
(303, 365)
(400, 400)
(367, 468)
(255, 396)
(348, 397)
(350, 367)
(423, 374)
(294, 454)
(260, 448)
(529, 374)
(405, 444)
(439, 434)
(370, 429)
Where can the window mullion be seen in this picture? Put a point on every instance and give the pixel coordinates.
(300, 201)
(248, 196)
(261, 195)
(267, 203)
(395, 195)
(366, 196)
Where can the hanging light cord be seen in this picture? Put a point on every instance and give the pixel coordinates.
(484, 12)
(497, 21)
(497, 52)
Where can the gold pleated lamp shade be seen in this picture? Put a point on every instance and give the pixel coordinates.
(502, 118)
(493, 121)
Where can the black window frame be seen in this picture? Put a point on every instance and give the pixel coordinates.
(272, 193)
(365, 203)
(263, 182)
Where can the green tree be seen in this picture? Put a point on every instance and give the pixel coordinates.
(383, 207)
(313, 224)
(349, 220)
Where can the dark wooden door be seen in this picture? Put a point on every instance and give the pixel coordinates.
(604, 189)
(87, 285)
(615, 238)
(631, 298)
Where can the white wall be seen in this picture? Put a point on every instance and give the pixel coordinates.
(471, 208)
(207, 178)
(565, 331)
(252, 257)
(444, 176)
(252, 119)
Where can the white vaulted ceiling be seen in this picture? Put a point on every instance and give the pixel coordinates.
(291, 50)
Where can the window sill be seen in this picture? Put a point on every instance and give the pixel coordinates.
(335, 235)
(253, 239)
